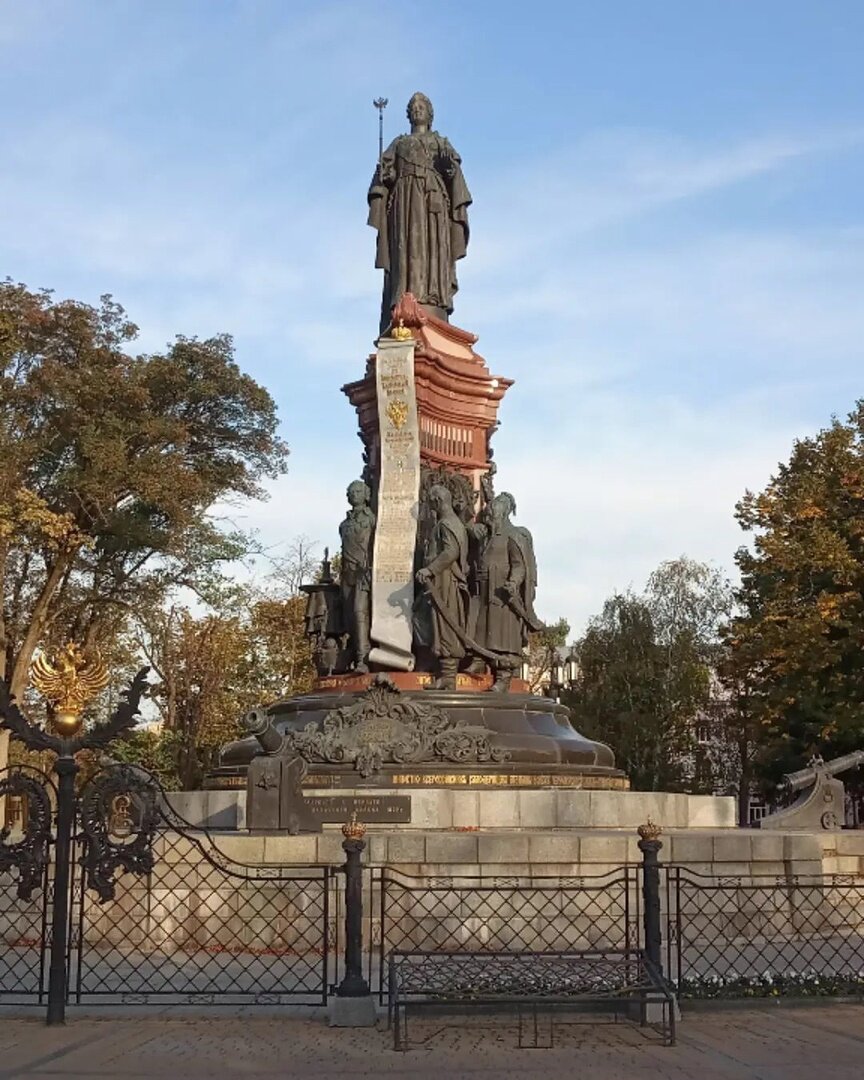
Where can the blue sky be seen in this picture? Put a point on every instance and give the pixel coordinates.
(667, 247)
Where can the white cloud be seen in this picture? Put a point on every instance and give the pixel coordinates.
(654, 487)
(615, 176)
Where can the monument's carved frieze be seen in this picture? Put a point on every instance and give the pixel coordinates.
(388, 728)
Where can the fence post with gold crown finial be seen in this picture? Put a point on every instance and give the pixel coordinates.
(67, 681)
(353, 1005)
(649, 845)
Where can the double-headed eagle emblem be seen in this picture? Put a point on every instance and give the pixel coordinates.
(68, 682)
(397, 413)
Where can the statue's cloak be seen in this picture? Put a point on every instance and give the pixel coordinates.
(528, 589)
(418, 203)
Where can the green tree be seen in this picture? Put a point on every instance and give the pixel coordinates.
(645, 666)
(205, 683)
(800, 636)
(543, 651)
(154, 749)
(742, 738)
(109, 466)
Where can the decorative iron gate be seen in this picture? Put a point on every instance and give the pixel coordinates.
(27, 796)
(201, 928)
(158, 911)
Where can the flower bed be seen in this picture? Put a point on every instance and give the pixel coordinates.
(771, 985)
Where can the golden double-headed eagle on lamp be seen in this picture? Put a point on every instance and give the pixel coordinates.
(68, 681)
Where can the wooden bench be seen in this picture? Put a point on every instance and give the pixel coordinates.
(624, 979)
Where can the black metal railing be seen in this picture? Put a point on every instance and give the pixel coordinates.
(23, 937)
(178, 919)
(203, 928)
(764, 936)
(155, 910)
(26, 883)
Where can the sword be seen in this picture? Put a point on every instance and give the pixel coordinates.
(531, 622)
(469, 644)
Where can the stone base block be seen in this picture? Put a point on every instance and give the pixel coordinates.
(505, 806)
(352, 1012)
(544, 852)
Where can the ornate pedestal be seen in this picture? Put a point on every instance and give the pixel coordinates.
(354, 731)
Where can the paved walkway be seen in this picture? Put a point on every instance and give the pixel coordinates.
(757, 1044)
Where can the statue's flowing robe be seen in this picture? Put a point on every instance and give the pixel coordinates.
(507, 555)
(449, 567)
(418, 202)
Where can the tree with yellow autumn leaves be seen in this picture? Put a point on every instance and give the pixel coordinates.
(110, 463)
(210, 668)
(798, 645)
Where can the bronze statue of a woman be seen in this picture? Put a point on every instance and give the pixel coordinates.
(418, 202)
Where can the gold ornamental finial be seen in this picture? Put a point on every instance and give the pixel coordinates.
(354, 829)
(401, 332)
(68, 682)
(649, 831)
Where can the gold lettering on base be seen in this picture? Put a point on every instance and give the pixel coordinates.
(479, 780)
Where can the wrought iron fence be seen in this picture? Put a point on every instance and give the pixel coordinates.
(161, 913)
(23, 932)
(499, 914)
(766, 936)
(202, 928)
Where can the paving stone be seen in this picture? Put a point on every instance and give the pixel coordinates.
(744, 1044)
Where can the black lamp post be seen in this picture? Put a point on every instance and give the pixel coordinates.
(571, 667)
(563, 672)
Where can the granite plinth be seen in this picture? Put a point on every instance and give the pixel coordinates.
(529, 734)
(465, 809)
(724, 852)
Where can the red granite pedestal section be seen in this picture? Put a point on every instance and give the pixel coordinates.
(409, 680)
(457, 395)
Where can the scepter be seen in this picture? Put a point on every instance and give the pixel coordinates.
(380, 104)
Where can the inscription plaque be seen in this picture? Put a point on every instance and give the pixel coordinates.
(396, 520)
(370, 809)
